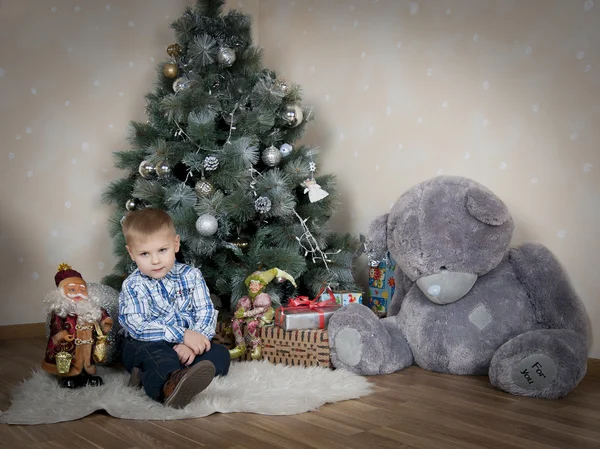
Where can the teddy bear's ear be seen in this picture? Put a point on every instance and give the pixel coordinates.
(376, 238)
(486, 207)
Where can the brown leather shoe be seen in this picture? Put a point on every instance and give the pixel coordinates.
(182, 385)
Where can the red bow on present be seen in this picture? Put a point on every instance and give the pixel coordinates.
(303, 301)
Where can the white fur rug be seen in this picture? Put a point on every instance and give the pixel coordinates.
(252, 387)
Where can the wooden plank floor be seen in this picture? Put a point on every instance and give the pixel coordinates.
(410, 409)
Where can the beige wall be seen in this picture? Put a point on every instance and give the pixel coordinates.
(504, 92)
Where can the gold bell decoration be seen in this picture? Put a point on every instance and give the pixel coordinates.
(63, 362)
(100, 349)
(174, 50)
(170, 70)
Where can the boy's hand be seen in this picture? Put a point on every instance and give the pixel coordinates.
(185, 354)
(196, 341)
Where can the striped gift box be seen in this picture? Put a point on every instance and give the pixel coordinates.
(308, 347)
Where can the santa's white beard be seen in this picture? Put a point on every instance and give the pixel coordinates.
(57, 302)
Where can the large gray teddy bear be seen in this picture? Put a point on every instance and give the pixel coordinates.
(464, 303)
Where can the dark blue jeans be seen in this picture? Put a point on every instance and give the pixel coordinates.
(158, 359)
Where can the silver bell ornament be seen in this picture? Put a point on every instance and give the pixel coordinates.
(163, 169)
(206, 225)
(293, 115)
(204, 188)
(226, 56)
(131, 204)
(146, 169)
(286, 149)
(271, 156)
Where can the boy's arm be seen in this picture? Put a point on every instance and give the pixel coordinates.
(135, 318)
(205, 315)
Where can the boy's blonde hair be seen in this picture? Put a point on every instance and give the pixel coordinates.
(142, 223)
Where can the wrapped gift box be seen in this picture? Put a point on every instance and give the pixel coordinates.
(298, 318)
(344, 298)
(298, 347)
(381, 285)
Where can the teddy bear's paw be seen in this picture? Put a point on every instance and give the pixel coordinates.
(545, 363)
(358, 340)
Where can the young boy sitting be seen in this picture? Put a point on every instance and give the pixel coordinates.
(167, 314)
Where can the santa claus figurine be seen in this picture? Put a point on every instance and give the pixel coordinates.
(78, 329)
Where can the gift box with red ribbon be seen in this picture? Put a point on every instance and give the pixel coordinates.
(303, 313)
(299, 347)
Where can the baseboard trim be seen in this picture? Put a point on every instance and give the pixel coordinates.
(29, 330)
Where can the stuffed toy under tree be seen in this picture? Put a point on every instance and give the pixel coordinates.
(254, 310)
(78, 330)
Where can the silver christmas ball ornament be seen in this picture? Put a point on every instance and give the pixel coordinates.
(181, 84)
(131, 204)
(271, 156)
(262, 204)
(163, 169)
(280, 280)
(146, 169)
(226, 56)
(206, 225)
(286, 149)
(204, 188)
(293, 115)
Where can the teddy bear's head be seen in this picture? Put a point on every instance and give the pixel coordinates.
(443, 234)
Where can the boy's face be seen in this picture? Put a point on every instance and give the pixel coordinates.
(154, 254)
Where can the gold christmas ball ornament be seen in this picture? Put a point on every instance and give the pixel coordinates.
(170, 70)
(226, 56)
(146, 169)
(163, 169)
(271, 156)
(293, 115)
(174, 50)
(131, 204)
(204, 188)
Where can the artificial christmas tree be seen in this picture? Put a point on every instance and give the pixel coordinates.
(218, 153)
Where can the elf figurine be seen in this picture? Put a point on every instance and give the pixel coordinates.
(254, 310)
(78, 329)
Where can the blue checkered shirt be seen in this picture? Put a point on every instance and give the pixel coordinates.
(162, 309)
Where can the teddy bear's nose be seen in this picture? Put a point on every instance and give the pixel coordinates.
(446, 287)
(434, 290)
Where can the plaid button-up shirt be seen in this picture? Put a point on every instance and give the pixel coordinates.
(162, 309)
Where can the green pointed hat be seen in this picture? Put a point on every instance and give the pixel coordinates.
(264, 277)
